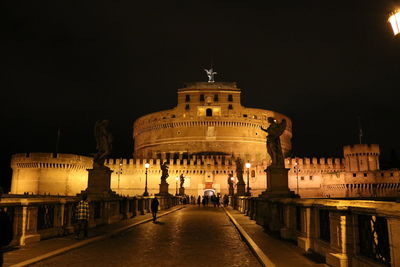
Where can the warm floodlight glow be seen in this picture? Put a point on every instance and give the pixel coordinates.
(146, 165)
(177, 178)
(394, 20)
(248, 165)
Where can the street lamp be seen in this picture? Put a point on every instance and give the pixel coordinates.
(146, 165)
(394, 20)
(176, 179)
(297, 175)
(248, 165)
(119, 172)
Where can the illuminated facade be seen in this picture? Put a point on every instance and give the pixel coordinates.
(200, 138)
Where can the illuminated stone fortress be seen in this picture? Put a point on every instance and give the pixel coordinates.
(201, 138)
(208, 120)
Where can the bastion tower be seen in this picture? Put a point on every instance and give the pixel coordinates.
(208, 120)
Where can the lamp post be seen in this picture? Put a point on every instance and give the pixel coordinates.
(119, 172)
(146, 193)
(176, 179)
(394, 21)
(248, 165)
(297, 176)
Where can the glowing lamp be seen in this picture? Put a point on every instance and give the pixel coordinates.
(394, 20)
(146, 165)
(177, 178)
(248, 165)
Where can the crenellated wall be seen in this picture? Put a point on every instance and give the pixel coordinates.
(66, 174)
(40, 173)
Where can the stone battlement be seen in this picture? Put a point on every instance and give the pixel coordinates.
(361, 149)
(316, 163)
(209, 86)
(63, 161)
(50, 160)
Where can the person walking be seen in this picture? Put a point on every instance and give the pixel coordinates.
(226, 201)
(199, 201)
(82, 216)
(154, 208)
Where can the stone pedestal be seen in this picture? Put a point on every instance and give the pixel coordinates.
(277, 183)
(182, 191)
(99, 181)
(231, 191)
(163, 189)
(240, 189)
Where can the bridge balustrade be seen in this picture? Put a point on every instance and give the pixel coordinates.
(343, 232)
(41, 217)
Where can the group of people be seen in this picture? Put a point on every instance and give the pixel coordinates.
(214, 200)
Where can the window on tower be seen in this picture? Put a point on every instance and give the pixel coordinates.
(202, 98)
(187, 107)
(230, 98)
(209, 112)
(215, 98)
(187, 98)
(230, 106)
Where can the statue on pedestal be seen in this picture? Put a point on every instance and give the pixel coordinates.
(239, 170)
(103, 143)
(99, 178)
(182, 179)
(274, 148)
(240, 185)
(230, 184)
(164, 172)
(164, 175)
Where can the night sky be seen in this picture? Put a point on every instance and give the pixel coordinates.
(66, 64)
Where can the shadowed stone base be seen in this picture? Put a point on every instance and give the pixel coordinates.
(231, 191)
(240, 189)
(163, 189)
(277, 183)
(99, 180)
(182, 191)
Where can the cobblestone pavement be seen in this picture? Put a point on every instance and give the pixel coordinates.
(193, 236)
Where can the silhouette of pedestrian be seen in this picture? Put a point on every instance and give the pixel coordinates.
(204, 200)
(82, 216)
(6, 230)
(154, 208)
(198, 200)
(226, 201)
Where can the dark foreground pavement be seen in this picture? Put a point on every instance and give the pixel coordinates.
(193, 236)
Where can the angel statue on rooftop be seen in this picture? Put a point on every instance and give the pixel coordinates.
(210, 74)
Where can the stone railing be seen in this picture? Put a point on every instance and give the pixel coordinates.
(38, 217)
(344, 232)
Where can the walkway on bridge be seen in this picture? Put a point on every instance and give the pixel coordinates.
(192, 236)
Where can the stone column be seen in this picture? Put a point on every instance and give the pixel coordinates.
(394, 240)
(181, 191)
(99, 182)
(277, 183)
(240, 189)
(163, 189)
(341, 239)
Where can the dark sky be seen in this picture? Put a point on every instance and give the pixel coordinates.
(66, 64)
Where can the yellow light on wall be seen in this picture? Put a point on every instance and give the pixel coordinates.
(394, 20)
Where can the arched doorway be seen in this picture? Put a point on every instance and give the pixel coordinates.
(209, 192)
(209, 112)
